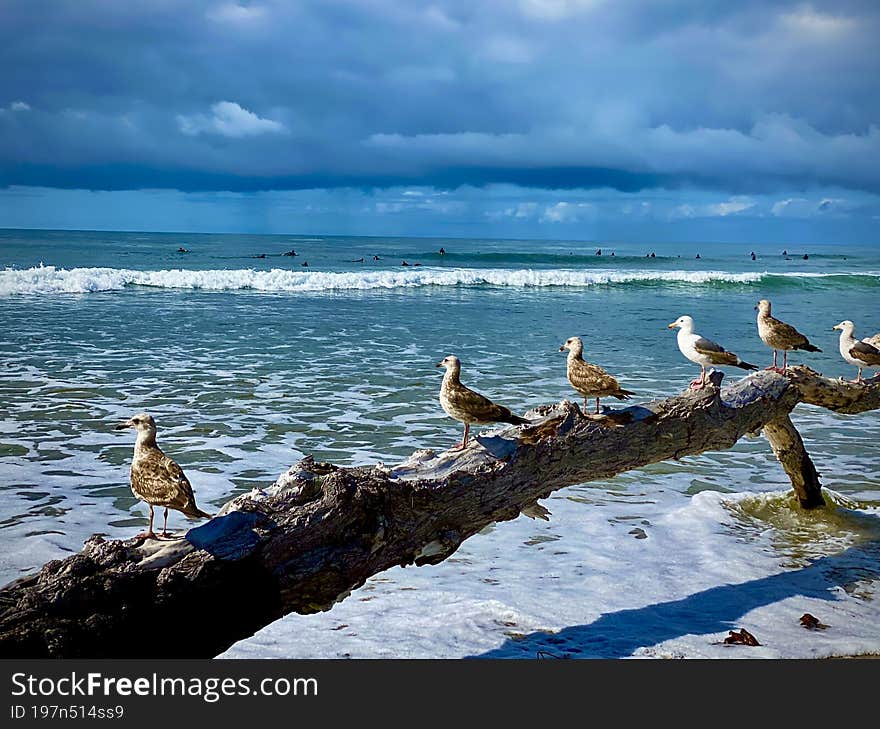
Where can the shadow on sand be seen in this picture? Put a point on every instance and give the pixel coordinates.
(717, 610)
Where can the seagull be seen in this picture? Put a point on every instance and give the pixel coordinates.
(467, 406)
(779, 335)
(588, 379)
(873, 341)
(155, 478)
(703, 351)
(858, 353)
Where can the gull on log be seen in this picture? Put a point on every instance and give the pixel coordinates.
(703, 351)
(590, 380)
(858, 353)
(156, 478)
(778, 335)
(467, 406)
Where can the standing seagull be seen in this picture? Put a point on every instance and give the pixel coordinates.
(588, 379)
(703, 351)
(779, 335)
(861, 354)
(157, 479)
(467, 406)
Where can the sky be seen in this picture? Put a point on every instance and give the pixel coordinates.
(581, 119)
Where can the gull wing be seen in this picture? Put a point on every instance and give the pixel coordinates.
(183, 492)
(478, 406)
(787, 333)
(159, 480)
(715, 352)
(588, 378)
(866, 353)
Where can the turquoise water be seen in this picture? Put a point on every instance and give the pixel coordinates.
(248, 364)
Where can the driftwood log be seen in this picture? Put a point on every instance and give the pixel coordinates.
(321, 531)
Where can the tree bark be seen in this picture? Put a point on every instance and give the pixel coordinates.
(788, 446)
(321, 531)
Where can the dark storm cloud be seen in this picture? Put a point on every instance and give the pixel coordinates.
(128, 177)
(740, 97)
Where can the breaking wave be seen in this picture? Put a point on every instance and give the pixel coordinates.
(52, 280)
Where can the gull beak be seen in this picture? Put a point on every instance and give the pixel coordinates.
(671, 326)
(123, 426)
(836, 326)
(439, 364)
(756, 308)
(562, 348)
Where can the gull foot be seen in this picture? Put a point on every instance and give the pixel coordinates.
(146, 535)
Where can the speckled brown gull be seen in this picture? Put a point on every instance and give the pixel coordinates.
(156, 478)
(778, 335)
(590, 380)
(467, 406)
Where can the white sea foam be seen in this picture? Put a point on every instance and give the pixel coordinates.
(52, 280)
(587, 584)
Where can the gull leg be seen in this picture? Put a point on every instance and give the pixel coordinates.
(598, 409)
(464, 440)
(773, 367)
(784, 360)
(859, 376)
(700, 383)
(165, 524)
(149, 534)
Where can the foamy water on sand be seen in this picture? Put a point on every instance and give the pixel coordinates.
(249, 367)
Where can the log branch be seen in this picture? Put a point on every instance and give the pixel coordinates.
(788, 446)
(840, 396)
(321, 531)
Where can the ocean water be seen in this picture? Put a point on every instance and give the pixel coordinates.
(249, 363)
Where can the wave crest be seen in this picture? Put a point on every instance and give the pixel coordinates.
(52, 280)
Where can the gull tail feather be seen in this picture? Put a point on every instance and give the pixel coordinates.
(745, 365)
(623, 394)
(509, 417)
